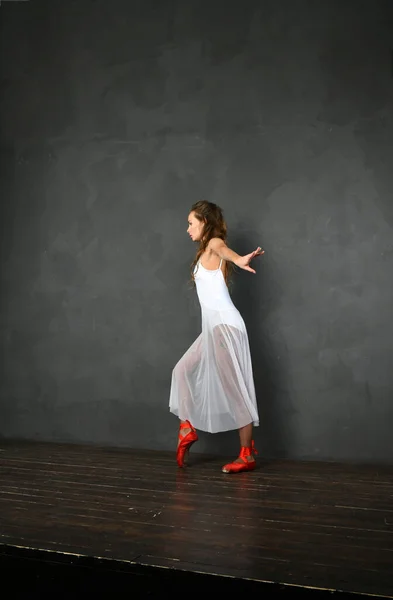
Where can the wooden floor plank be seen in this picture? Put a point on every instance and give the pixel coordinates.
(219, 485)
(318, 524)
(200, 558)
(166, 517)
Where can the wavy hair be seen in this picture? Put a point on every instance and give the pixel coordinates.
(215, 226)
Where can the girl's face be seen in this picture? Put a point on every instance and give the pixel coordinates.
(195, 227)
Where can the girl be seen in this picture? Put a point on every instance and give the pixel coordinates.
(212, 386)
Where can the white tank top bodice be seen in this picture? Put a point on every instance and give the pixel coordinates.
(211, 288)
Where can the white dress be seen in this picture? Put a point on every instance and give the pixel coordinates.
(212, 384)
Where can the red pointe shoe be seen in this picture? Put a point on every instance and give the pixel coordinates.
(185, 443)
(244, 465)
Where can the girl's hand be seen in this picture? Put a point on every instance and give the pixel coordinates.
(244, 261)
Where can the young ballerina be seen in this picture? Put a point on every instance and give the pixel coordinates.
(212, 386)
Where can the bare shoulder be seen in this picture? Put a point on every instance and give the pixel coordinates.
(215, 244)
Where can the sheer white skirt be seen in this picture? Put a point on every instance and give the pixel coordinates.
(212, 384)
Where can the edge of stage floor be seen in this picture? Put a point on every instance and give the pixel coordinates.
(38, 573)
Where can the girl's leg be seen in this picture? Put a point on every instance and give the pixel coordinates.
(245, 434)
(187, 437)
(182, 387)
(183, 431)
(183, 383)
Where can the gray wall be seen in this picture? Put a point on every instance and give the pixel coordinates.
(117, 116)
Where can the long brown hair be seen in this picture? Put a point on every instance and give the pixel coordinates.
(215, 226)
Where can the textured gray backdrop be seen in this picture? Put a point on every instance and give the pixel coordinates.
(116, 117)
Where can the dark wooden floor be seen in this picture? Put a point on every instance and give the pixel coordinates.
(314, 525)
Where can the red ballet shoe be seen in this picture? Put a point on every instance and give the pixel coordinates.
(245, 465)
(185, 443)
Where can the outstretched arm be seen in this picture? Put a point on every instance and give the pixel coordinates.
(219, 247)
